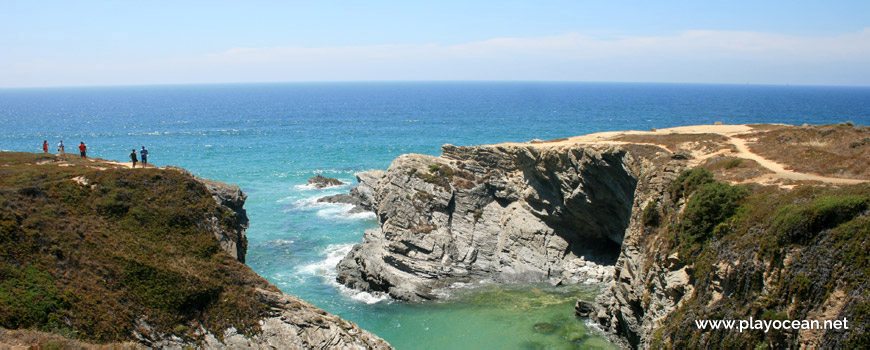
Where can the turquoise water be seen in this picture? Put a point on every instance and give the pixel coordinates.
(270, 138)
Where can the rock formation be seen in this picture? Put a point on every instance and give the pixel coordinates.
(320, 181)
(292, 324)
(513, 213)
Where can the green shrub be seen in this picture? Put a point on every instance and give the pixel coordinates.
(733, 163)
(29, 299)
(688, 182)
(712, 204)
(801, 222)
(650, 215)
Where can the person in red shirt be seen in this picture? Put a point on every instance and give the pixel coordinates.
(45, 146)
(83, 150)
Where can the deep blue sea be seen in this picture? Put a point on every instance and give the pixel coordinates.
(270, 138)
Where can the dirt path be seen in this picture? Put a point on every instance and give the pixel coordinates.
(743, 151)
(729, 131)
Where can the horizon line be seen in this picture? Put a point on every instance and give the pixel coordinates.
(413, 81)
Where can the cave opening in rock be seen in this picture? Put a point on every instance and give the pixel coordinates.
(590, 206)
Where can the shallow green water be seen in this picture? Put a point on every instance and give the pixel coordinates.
(493, 317)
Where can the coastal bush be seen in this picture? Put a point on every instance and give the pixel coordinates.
(823, 230)
(733, 163)
(800, 223)
(711, 205)
(87, 261)
(30, 299)
(689, 181)
(650, 215)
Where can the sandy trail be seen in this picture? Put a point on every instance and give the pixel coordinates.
(743, 151)
(729, 131)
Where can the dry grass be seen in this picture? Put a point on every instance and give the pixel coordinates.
(831, 150)
(734, 169)
(26, 339)
(674, 142)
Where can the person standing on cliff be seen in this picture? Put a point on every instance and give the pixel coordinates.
(144, 154)
(83, 150)
(60, 150)
(44, 146)
(133, 157)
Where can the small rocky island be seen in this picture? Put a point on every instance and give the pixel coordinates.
(94, 253)
(319, 181)
(677, 225)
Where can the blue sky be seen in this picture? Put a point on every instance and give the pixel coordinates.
(58, 43)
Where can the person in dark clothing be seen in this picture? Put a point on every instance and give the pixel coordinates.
(45, 146)
(83, 150)
(133, 157)
(144, 154)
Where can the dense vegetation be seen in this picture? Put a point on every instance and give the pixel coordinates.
(786, 251)
(88, 259)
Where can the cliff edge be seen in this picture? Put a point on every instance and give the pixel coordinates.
(92, 252)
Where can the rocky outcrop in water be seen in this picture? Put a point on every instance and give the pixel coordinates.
(502, 213)
(320, 181)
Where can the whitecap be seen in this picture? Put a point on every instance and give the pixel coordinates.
(282, 241)
(339, 211)
(326, 270)
(312, 187)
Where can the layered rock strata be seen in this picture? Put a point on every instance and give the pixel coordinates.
(505, 213)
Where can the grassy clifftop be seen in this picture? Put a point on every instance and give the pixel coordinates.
(97, 252)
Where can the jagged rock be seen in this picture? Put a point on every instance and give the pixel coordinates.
(512, 214)
(292, 324)
(231, 197)
(361, 197)
(585, 309)
(320, 181)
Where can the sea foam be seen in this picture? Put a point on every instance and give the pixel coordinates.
(325, 269)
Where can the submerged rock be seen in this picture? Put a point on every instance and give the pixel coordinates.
(545, 327)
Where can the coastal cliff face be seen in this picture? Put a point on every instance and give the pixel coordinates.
(510, 213)
(101, 254)
(231, 237)
(703, 226)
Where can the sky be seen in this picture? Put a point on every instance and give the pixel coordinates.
(86, 43)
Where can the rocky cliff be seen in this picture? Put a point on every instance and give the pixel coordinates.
(98, 253)
(703, 226)
(512, 213)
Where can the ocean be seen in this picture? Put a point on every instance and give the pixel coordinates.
(270, 138)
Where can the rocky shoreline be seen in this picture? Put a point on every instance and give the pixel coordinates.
(588, 210)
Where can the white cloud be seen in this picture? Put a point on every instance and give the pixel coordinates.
(691, 56)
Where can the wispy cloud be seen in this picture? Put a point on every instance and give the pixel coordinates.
(690, 56)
